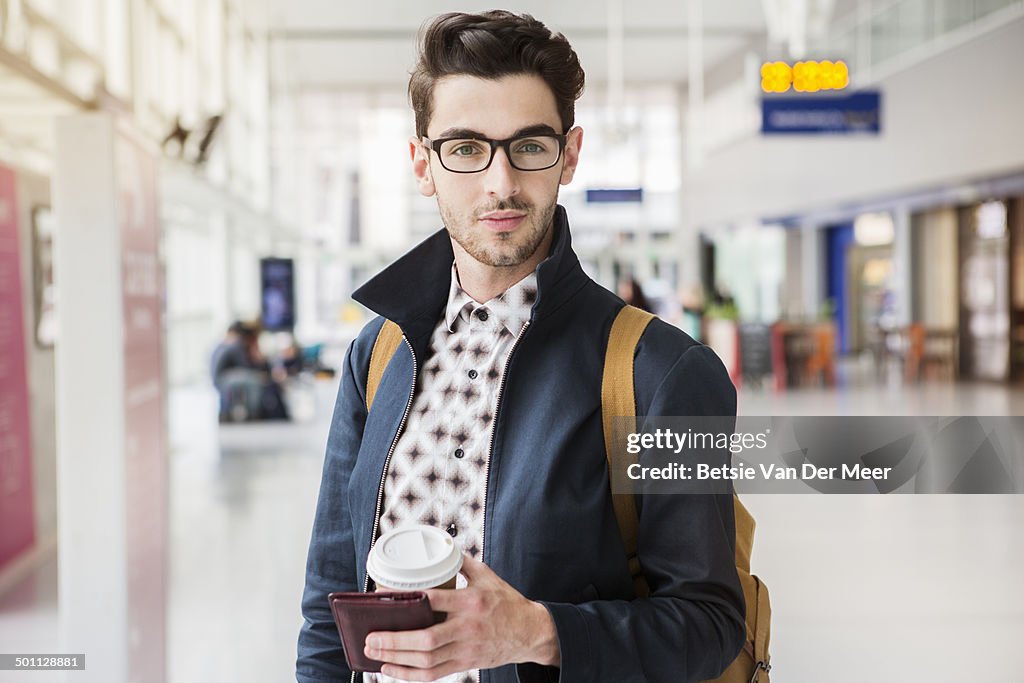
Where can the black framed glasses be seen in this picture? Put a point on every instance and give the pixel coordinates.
(472, 155)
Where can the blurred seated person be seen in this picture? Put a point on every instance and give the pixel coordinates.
(248, 389)
(292, 360)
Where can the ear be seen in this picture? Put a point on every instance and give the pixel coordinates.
(573, 145)
(421, 167)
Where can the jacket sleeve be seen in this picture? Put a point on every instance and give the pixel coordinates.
(691, 626)
(330, 565)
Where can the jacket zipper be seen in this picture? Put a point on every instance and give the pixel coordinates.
(494, 427)
(387, 462)
(490, 447)
(391, 451)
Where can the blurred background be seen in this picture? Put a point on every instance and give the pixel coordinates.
(830, 193)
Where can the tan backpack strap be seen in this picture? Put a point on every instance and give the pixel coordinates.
(618, 400)
(388, 339)
(762, 631)
(745, 526)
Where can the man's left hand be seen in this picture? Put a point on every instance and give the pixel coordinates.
(489, 624)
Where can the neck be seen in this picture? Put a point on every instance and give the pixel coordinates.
(484, 282)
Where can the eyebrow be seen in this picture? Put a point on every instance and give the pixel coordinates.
(535, 129)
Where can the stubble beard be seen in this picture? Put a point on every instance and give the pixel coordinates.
(500, 250)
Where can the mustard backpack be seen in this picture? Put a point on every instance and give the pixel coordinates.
(753, 663)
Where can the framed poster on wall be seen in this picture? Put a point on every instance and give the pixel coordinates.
(17, 496)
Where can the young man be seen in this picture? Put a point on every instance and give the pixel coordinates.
(487, 421)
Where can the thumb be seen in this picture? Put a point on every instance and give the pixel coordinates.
(473, 569)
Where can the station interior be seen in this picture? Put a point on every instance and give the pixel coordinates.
(828, 193)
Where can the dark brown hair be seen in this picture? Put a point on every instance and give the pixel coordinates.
(492, 45)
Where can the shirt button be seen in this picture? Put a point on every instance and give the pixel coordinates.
(452, 530)
(472, 374)
(459, 453)
(482, 314)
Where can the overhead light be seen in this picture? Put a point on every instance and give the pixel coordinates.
(990, 218)
(873, 229)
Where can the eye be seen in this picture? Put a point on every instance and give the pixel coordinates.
(529, 146)
(465, 148)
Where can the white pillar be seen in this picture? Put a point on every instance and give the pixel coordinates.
(307, 272)
(688, 244)
(220, 278)
(695, 84)
(902, 249)
(111, 435)
(812, 262)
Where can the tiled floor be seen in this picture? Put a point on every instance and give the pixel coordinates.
(893, 588)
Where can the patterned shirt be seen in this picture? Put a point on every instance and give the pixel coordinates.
(438, 472)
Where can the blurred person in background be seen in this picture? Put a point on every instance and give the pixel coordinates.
(248, 387)
(632, 293)
(487, 421)
(691, 298)
(290, 361)
(233, 374)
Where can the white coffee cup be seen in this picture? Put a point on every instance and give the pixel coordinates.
(414, 558)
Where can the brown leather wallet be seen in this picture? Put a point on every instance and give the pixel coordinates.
(359, 614)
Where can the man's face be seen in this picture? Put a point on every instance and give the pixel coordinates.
(500, 215)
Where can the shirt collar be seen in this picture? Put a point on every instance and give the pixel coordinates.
(510, 310)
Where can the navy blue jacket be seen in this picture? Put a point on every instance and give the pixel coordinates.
(549, 527)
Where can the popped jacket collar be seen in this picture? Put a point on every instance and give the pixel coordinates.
(413, 290)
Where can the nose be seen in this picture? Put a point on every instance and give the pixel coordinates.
(500, 179)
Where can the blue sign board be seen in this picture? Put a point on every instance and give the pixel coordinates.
(859, 112)
(632, 194)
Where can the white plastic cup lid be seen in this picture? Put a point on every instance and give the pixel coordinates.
(414, 558)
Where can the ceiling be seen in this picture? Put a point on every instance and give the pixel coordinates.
(319, 44)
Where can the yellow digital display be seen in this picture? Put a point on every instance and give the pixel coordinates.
(806, 76)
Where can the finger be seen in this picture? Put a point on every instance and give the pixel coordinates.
(446, 599)
(412, 659)
(422, 640)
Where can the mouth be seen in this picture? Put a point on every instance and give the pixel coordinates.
(502, 221)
